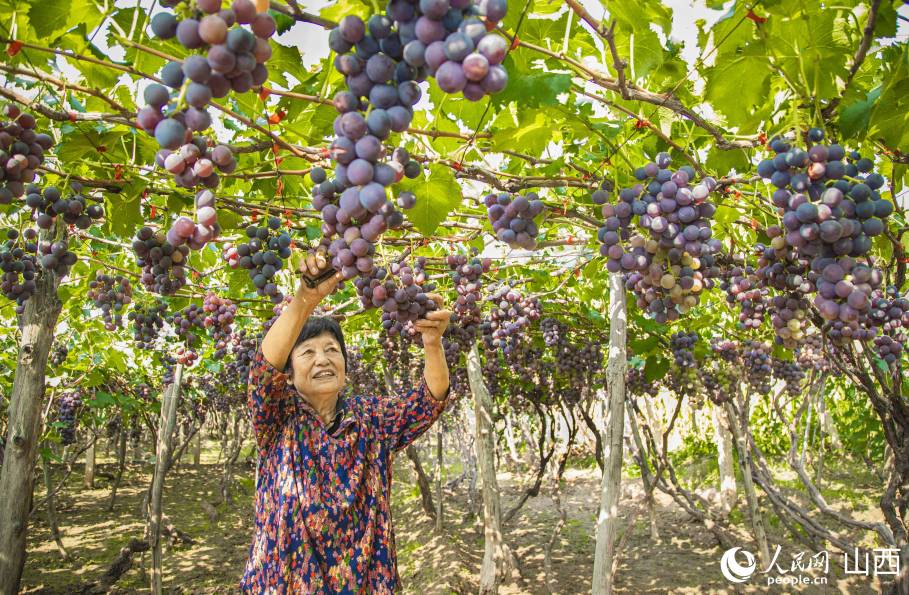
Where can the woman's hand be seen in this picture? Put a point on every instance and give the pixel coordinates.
(433, 326)
(313, 265)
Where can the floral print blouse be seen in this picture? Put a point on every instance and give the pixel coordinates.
(323, 501)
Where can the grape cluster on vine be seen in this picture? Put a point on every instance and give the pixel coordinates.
(263, 255)
(59, 354)
(110, 294)
(791, 373)
(636, 383)
(50, 203)
(554, 332)
(449, 40)
(219, 319)
(67, 410)
(243, 346)
(890, 313)
(682, 346)
(162, 263)
(21, 152)
(148, 320)
(758, 365)
(810, 353)
(20, 268)
(402, 301)
(512, 218)
(466, 273)
(234, 59)
(362, 378)
(511, 315)
(186, 320)
(744, 289)
(668, 259)
(831, 209)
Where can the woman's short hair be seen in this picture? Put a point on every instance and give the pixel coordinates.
(315, 326)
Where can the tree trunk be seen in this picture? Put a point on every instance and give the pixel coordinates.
(647, 477)
(510, 442)
(757, 520)
(725, 461)
(611, 485)
(89, 480)
(440, 469)
(469, 456)
(121, 464)
(197, 449)
(137, 445)
(52, 510)
(496, 555)
(422, 481)
(230, 459)
(23, 422)
(165, 430)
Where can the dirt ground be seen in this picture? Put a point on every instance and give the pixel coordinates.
(685, 558)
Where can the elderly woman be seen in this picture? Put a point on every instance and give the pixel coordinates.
(323, 510)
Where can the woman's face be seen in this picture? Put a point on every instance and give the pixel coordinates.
(318, 366)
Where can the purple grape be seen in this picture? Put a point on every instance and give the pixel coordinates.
(188, 34)
(451, 79)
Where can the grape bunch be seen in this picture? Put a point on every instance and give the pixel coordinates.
(354, 206)
(186, 356)
(718, 383)
(510, 316)
(743, 288)
(682, 346)
(450, 41)
(59, 354)
(831, 209)
(636, 383)
(398, 359)
(21, 152)
(234, 59)
(114, 426)
(402, 302)
(196, 234)
(197, 163)
(67, 410)
(362, 377)
(20, 267)
(263, 255)
(810, 353)
(49, 204)
(162, 263)
(579, 363)
(219, 318)
(554, 332)
(467, 276)
(758, 366)
(512, 215)
(890, 313)
(791, 373)
(243, 346)
(147, 323)
(667, 255)
(727, 350)
(185, 321)
(56, 256)
(789, 316)
(110, 295)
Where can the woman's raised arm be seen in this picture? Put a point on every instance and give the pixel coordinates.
(279, 341)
